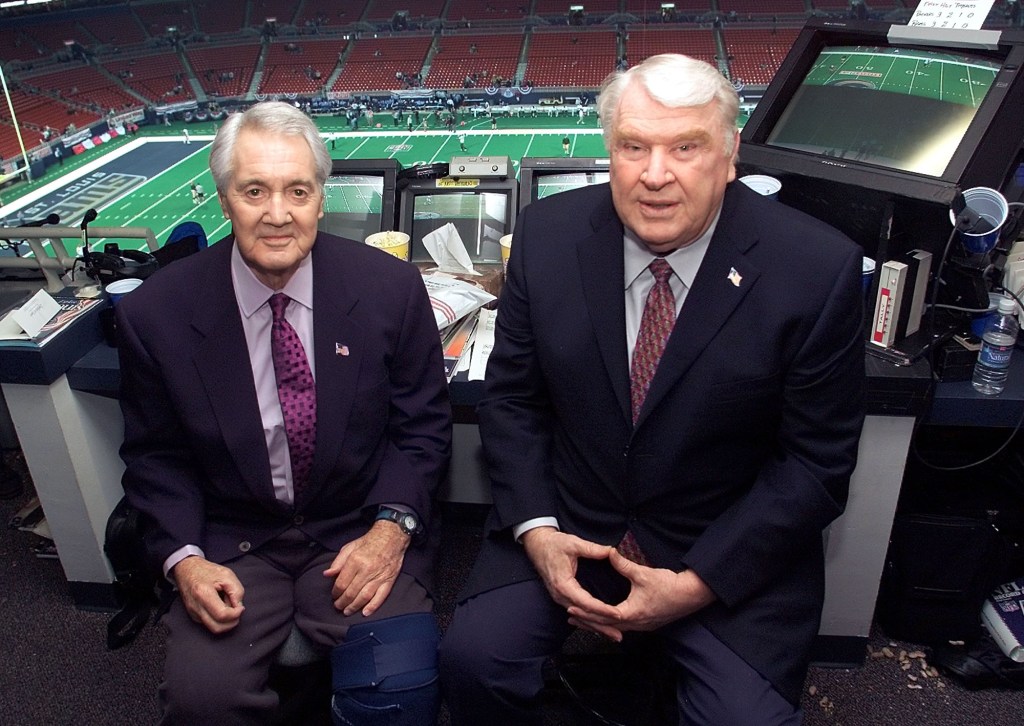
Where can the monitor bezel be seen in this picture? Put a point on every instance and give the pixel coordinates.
(421, 187)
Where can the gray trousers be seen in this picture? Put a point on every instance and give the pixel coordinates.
(222, 679)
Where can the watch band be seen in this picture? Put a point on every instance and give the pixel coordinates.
(407, 521)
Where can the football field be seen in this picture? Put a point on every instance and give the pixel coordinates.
(907, 72)
(146, 181)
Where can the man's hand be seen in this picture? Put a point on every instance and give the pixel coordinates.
(656, 597)
(211, 593)
(366, 568)
(555, 555)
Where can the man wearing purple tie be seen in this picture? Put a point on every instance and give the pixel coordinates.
(671, 415)
(286, 425)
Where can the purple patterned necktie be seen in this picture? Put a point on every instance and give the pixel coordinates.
(656, 325)
(296, 390)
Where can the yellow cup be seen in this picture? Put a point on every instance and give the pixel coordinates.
(394, 243)
(506, 250)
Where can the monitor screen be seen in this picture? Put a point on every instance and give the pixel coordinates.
(481, 210)
(541, 177)
(359, 198)
(899, 108)
(479, 217)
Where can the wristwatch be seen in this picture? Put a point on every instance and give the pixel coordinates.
(407, 521)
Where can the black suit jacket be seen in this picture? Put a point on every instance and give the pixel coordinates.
(743, 451)
(195, 453)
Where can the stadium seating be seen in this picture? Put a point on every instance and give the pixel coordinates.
(218, 18)
(115, 27)
(755, 54)
(754, 8)
(643, 42)
(84, 86)
(325, 13)
(570, 58)
(483, 56)
(490, 11)
(224, 71)
(292, 66)
(156, 19)
(384, 10)
(363, 69)
(154, 76)
(283, 11)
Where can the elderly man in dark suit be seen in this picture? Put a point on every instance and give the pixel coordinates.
(671, 418)
(286, 424)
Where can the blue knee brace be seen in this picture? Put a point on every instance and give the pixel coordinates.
(385, 673)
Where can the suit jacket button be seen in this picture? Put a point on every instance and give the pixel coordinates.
(244, 546)
(298, 520)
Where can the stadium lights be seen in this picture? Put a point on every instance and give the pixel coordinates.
(575, 8)
(668, 6)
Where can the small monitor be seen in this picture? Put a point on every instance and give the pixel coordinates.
(359, 197)
(482, 211)
(540, 177)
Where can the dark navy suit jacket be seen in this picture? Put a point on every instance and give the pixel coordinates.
(195, 453)
(748, 436)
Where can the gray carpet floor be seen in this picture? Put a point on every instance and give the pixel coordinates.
(55, 668)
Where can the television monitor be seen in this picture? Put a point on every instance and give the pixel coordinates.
(482, 211)
(542, 176)
(874, 127)
(359, 197)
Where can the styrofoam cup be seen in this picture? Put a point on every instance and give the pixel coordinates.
(119, 288)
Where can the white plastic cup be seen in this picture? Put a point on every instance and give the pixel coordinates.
(867, 273)
(766, 186)
(506, 250)
(119, 288)
(991, 206)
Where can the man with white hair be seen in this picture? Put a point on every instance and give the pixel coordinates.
(670, 419)
(285, 430)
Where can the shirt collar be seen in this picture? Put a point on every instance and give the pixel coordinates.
(252, 294)
(684, 261)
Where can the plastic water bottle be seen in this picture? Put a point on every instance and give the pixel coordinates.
(996, 348)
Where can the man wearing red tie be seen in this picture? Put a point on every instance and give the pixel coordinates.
(286, 424)
(671, 418)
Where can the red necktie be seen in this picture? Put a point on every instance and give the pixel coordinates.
(296, 390)
(656, 324)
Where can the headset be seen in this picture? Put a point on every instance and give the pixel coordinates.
(113, 263)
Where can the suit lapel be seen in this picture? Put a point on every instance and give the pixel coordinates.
(222, 364)
(723, 280)
(339, 348)
(602, 270)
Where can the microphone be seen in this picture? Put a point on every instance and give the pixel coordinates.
(51, 218)
(90, 215)
(968, 220)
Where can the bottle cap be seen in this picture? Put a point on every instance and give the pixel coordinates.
(1007, 306)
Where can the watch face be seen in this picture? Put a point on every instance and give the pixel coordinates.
(408, 523)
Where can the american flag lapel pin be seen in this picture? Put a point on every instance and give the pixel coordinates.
(734, 277)
(340, 349)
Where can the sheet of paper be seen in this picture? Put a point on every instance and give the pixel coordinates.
(36, 313)
(482, 345)
(952, 14)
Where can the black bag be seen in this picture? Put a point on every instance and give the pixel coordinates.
(138, 586)
(938, 572)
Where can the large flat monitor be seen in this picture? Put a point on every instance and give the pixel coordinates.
(359, 197)
(875, 127)
(481, 210)
(542, 176)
